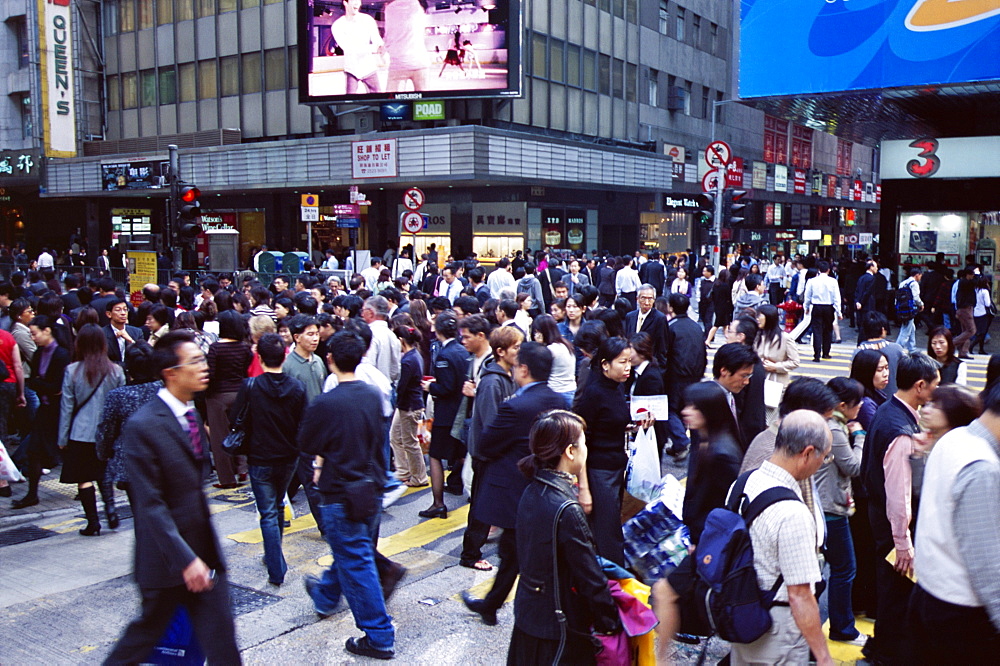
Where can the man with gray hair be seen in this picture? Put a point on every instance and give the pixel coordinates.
(385, 352)
(647, 319)
(785, 540)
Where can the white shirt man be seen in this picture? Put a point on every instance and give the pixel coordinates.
(450, 287)
(371, 274)
(500, 278)
(385, 352)
(45, 260)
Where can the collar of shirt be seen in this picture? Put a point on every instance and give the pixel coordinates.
(179, 409)
(916, 415)
(524, 388)
(977, 429)
(641, 368)
(780, 475)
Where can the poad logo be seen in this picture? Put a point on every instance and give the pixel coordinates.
(928, 15)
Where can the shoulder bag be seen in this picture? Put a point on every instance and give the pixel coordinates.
(235, 442)
(361, 497)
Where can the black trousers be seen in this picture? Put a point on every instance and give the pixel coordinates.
(506, 573)
(893, 640)
(211, 616)
(476, 532)
(949, 634)
(822, 326)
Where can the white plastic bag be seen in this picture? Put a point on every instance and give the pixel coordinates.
(8, 470)
(773, 390)
(644, 466)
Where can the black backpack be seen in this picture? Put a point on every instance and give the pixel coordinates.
(906, 306)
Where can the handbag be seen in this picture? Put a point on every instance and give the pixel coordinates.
(235, 442)
(773, 390)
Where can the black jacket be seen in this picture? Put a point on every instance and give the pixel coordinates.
(654, 273)
(549, 277)
(863, 292)
(685, 356)
(891, 420)
(49, 385)
(602, 404)
(276, 404)
(502, 444)
(495, 385)
(411, 370)
(750, 406)
(114, 351)
(655, 324)
(713, 468)
(583, 587)
(451, 369)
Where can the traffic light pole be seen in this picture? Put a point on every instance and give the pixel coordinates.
(717, 221)
(175, 177)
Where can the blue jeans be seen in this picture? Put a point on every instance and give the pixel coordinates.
(840, 555)
(269, 484)
(907, 338)
(354, 574)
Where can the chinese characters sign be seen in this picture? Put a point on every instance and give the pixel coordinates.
(18, 165)
(130, 176)
(373, 159)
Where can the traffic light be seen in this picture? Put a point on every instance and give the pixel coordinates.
(188, 212)
(734, 203)
(706, 210)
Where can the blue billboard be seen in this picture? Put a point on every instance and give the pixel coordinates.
(790, 47)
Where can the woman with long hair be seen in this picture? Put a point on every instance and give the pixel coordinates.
(563, 378)
(228, 363)
(189, 321)
(982, 313)
(871, 368)
(87, 382)
(158, 322)
(647, 379)
(941, 348)
(422, 322)
(777, 350)
(570, 326)
(410, 466)
(716, 462)
(552, 540)
(608, 420)
(722, 303)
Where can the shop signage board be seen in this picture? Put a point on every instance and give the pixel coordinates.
(865, 239)
(500, 218)
(734, 172)
(800, 181)
(56, 49)
(374, 159)
(780, 178)
(759, 178)
(433, 110)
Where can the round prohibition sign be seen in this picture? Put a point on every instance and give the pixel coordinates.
(413, 222)
(718, 153)
(413, 198)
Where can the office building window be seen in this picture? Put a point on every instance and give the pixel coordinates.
(719, 107)
(272, 2)
(631, 11)
(573, 65)
(293, 67)
(20, 27)
(245, 4)
(679, 34)
(556, 72)
(187, 80)
(538, 60)
(207, 79)
(617, 84)
(631, 81)
(685, 93)
(168, 85)
(251, 72)
(185, 10)
(592, 3)
(164, 12)
(604, 73)
(605, 5)
(274, 69)
(589, 69)
(110, 11)
(619, 6)
(126, 15)
(130, 96)
(27, 124)
(114, 93)
(206, 8)
(714, 38)
(229, 75)
(145, 14)
(147, 87)
(696, 30)
(706, 111)
(664, 18)
(653, 95)
(227, 6)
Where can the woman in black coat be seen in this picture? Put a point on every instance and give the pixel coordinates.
(647, 379)
(549, 512)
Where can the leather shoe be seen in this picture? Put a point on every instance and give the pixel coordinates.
(362, 646)
(478, 606)
(452, 490)
(24, 502)
(434, 512)
(391, 579)
(113, 520)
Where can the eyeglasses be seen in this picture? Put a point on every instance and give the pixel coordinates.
(198, 360)
(828, 458)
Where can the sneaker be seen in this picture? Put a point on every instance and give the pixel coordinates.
(390, 497)
(363, 647)
(857, 641)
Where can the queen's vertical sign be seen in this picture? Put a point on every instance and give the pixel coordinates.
(55, 40)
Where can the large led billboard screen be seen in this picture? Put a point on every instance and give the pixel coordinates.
(369, 50)
(790, 47)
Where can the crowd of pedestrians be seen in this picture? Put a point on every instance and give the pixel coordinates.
(515, 389)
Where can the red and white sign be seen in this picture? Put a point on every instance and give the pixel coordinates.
(717, 154)
(878, 194)
(800, 181)
(734, 173)
(710, 181)
(857, 190)
(374, 159)
(852, 239)
(413, 198)
(413, 222)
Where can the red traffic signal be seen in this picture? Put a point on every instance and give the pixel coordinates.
(188, 208)
(190, 193)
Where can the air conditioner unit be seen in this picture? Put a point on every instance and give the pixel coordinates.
(675, 98)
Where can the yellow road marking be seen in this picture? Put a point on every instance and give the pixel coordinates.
(843, 653)
(480, 589)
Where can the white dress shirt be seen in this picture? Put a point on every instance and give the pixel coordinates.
(823, 290)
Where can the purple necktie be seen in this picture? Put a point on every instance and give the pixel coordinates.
(193, 432)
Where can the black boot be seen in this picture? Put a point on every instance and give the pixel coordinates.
(31, 499)
(108, 497)
(88, 498)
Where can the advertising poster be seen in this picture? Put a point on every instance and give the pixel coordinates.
(141, 271)
(576, 226)
(793, 47)
(373, 159)
(408, 49)
(552, 228)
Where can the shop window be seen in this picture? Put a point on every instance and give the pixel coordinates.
(589, 69)
(207, 79)
(168, 85)
(250, 71)
(229, 75)
(573, 65)
(556, 61)
(145, 14)
(538, 60)
(130, 97)
(126, 15)
(491, 249)
(274, 69)
(185, 10)
(188, 90)
(164, 12)
(604, 74)
(147, 87)
(114, 93)
(206, 8)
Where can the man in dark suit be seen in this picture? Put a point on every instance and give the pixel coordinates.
(654, 272)
(684, 344)
(107, 286)
(648, 319)
(749, 401)
(70, 299)
(503, 442)
(118, 333)
(548, 278)
(178, 560)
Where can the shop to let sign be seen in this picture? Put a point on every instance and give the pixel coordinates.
(374, 159)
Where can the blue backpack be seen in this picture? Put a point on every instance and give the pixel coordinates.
(737, 609)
